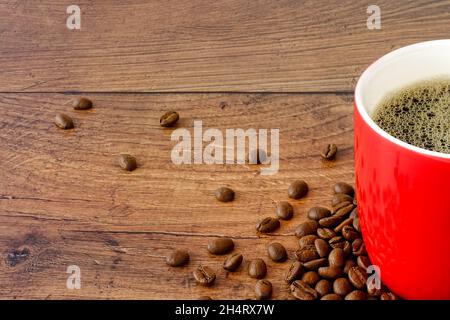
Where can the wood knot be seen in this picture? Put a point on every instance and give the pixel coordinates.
(17, 256)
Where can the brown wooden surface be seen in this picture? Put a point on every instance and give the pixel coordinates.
(202, 45)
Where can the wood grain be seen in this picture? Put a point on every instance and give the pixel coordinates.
(63, 196)
(233, 45)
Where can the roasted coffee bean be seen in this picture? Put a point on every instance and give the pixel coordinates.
(81, 103)
(388, 296)
(317, 213)
(127, 162)
(344, 211)
(257, 156)
(347, 249)
(322, 247)
(257, 269)
(232, 262)
(267, 225)
(373, 291)
(294, 272)
(263, 289)
(284, 211)
(169, 119)
(63, 121)
(363, 262)
(298, 189)
(330, 272)
(342, 286)
(323, 287)
(276, 252)
(220, 246)
(307, 240)
(177, 258)
(355, 201)
(357, 277)
(310, 278)
(302, 291)
(345, 188)
(341, 205)
(356, 295)
(330, 222)
(315, 264)
(331, 296)
(329, 151)
(358, 247)
(337, 242)
(348, 265)
(204, 275)
(224, 194)
(354, 213)
(204, 298)
(339, 198)
(344, 223)
(350, 233)
(306, 228)
(356, 224)
(336, 258)
(307, 253)
(326, 233)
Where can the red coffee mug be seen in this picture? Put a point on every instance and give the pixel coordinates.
(403, 191)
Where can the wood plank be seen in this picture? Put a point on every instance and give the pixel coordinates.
(63, 195)
(234, 45)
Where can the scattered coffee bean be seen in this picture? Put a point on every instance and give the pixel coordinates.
(307, 240)
(232, 262)
(276, 252)
(348, 265)
(329, 151)
(323, 287)
(220, 246)
(298, 189)
(306, 228)
(341, 205)
(204, 298)
(330, 272)
(350, 233)
(363, 262)
(344, 211)
(336, 258)
(344, 223)
(356, 295)
(345, 188)
(357, 277)
(302, 291)
(322, 247)
(317, 213)
(388, 296)
(358, 247)
(284, 211)
(310, 278)
(307, 253)
(263, 289)
(331, 296)
(326, 233)
(224, 194)
(267, 225)
(315, 264)
(204, 275)
(81, 103)
(339, 198)
(169, 119)
(330, 222)
(127, 162)
(177, 258)
(294, 272)
(257, 269)
(342, 286)
(63, 121)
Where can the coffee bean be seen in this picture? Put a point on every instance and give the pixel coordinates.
(284, 210)
(224, 194)
(276, 252)
(257, 269)
(331, 296)
(358, 247)
(294, 272)
(347, 249)
(306, 228)
(81, 103)
(350, 233)
(220, 246)
(302, 291)
(169, 119)
(337, 242)
(356, 295)
(298, 189)
(307, 240)
(322, 247)
(177, 258)
(323, 287)
(63, 121)
(388, 296)
(348, 265)
(344, 223)
(315, 264)
(204, 275)
(357, 277)
(127, 162)
(257, 156)
(373, 291)
(355, 201)
(344, 211)
(204, 298)
(317, 213)
(232, 262)
(267, 225)
(330, 272)
(341, 205)
(310, 278)
(336, 258)
(330, 222)
(354, 213)
(363, 262)
(356, 224)
(307, 253)
(263, 289)
(339, 198)
(326, 233)
(342, 286)
(329, 151)
(345, 188)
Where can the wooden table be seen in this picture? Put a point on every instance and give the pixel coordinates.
(284, 64)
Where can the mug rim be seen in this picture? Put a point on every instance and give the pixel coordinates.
(365, 115)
